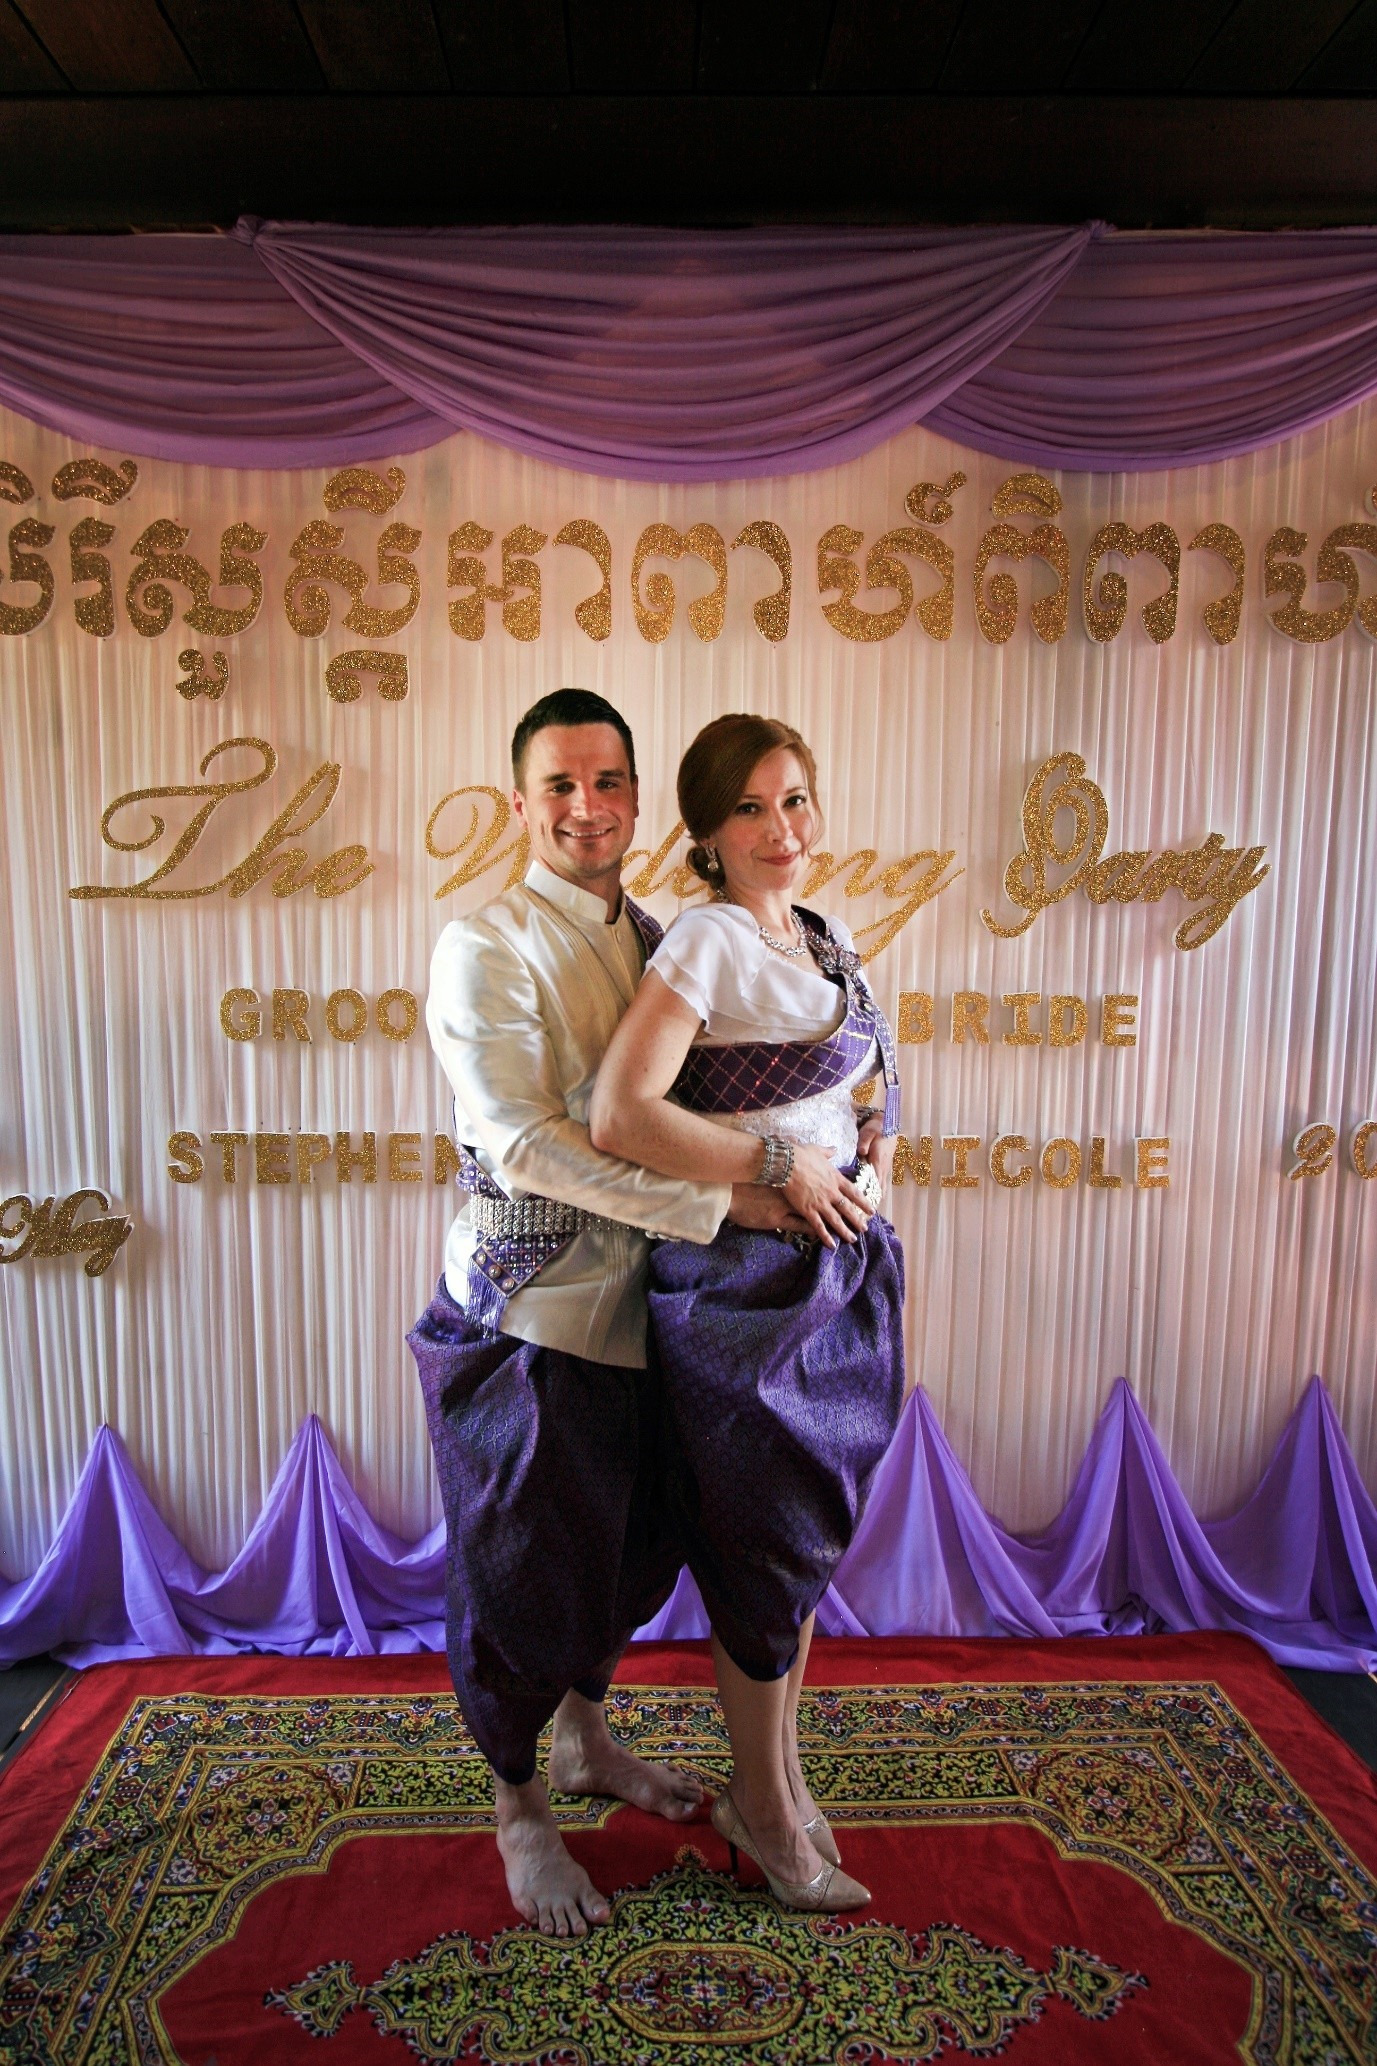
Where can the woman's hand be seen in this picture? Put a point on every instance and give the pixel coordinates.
(876, 1148)
(821, 1195)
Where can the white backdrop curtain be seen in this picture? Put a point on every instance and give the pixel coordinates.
(235, 1310)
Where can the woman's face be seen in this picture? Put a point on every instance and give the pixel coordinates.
(765, 841)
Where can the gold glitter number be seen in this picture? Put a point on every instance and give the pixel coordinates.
(1221, 617)
(771, 612)
(1106, 608)
(594, 614)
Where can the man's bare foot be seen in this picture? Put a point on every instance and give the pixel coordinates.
(549, 1888)
(586, 1758)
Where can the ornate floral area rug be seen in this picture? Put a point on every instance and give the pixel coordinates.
(1132, 1851)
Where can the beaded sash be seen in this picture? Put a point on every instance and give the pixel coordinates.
(752, 1075)
(517, 1237)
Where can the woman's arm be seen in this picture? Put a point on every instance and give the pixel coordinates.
(631, 1117)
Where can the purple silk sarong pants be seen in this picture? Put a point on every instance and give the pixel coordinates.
(783, 1376)
(558, 1542)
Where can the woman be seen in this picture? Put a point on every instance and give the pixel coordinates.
(781, 1356)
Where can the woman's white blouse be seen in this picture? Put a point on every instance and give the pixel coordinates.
(742, 990)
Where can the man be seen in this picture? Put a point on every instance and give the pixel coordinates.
(543, 1420)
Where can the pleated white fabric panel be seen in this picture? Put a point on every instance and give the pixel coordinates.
(234, 1310)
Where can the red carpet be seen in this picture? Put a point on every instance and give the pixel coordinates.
(1137, 1851)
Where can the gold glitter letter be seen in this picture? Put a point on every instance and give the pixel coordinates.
(1009, 1144)
(1117, 1014)
(241, 1017)
(237, 570)
(1061, 1180)
(915, 1017)
(1067, 1020)
(970, 1009)
(159, 558)
(410, 1010)
(912, 1159)
(1282, 577)
(1096, 1177)
(1313, 1148)
(1152, 1164)
(343, 682)
(1025, 878)
(960, 1146)
(319, 560)
(188, 1164)
(521, 613)
(16, 620)
(1020, 1003)
(771, 612)
(1105, 611)
(482, 839)
(1221, 617)
(594, 614)
(94, 613)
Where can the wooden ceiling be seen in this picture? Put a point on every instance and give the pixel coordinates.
(154, 113)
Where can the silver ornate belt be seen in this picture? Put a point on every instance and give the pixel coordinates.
(513, 1219)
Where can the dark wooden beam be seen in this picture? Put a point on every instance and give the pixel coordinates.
(170, 160)
(107, 48)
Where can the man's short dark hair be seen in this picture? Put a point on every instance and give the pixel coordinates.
(568, 707)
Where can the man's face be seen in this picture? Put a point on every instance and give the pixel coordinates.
(578, 802)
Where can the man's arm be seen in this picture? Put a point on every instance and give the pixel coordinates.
(484, 1015)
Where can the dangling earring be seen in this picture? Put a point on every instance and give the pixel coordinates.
(716, 870)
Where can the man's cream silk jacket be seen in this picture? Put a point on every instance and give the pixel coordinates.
(524, 996)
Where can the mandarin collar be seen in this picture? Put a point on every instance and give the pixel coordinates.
(582, 904)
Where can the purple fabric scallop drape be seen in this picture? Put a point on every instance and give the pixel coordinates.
(1295, 1567)
(687, 355)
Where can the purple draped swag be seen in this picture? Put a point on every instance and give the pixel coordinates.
(687, 355)
(1295, 1567)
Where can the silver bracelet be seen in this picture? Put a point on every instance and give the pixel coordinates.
(778, 1165)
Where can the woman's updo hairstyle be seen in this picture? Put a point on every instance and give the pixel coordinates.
(716, 772)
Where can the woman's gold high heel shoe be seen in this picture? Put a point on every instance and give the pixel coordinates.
(828, 1891)
(819, 1835)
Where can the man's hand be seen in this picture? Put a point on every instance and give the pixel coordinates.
(764, 1209)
